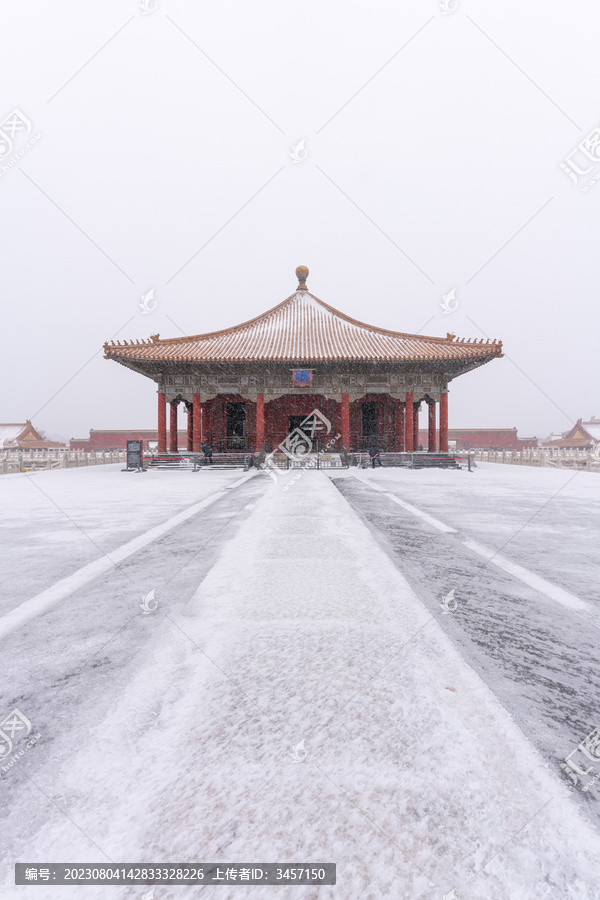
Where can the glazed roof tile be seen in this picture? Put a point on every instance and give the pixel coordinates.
(303, 329)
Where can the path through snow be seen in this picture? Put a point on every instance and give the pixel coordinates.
(416, 780)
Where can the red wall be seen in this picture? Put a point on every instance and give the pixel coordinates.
(276, 413)
(117, 440)
(503, 439)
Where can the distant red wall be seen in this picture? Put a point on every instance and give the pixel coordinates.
(277, 412)
(502, 439)
(117, 440)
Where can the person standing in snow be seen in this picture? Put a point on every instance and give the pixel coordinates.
(374, 453)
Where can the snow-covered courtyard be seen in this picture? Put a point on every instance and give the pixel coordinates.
(379, 669)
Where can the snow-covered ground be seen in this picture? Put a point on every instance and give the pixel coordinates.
(54, 522)
(416, 781)
(547, 520)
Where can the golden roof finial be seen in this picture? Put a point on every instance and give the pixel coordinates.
(302, 275)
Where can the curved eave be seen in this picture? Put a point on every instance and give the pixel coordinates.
(152, 366)
(448, 352)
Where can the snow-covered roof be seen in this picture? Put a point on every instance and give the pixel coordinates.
(593, 429)
(582, 434)
(10, 432)
(23, 435)
(555, 436)
(303, 329)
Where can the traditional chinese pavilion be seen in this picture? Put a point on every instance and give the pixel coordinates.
(247, 387)
(582, 436)
(23, 436)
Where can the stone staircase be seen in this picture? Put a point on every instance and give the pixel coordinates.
(194, 462)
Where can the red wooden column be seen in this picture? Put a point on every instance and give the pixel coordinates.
(173, 428)
(196, 426)
(223, 417)
(346, 421)
(431, 443)
(162, 422)
(408, 422)
(416, 427)
(260, 422)
(444, 422)
(190, 427)
(399, 426)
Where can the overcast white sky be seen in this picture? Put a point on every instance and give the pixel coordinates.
(434, 147)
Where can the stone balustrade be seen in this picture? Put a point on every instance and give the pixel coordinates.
(55, 458)
(554, 457)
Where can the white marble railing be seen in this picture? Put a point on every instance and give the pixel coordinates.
(35, 460)
(554, 458)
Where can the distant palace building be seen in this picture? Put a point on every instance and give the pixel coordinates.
(249, 386)
(23, 436)
(582, 436)
(486, 439)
